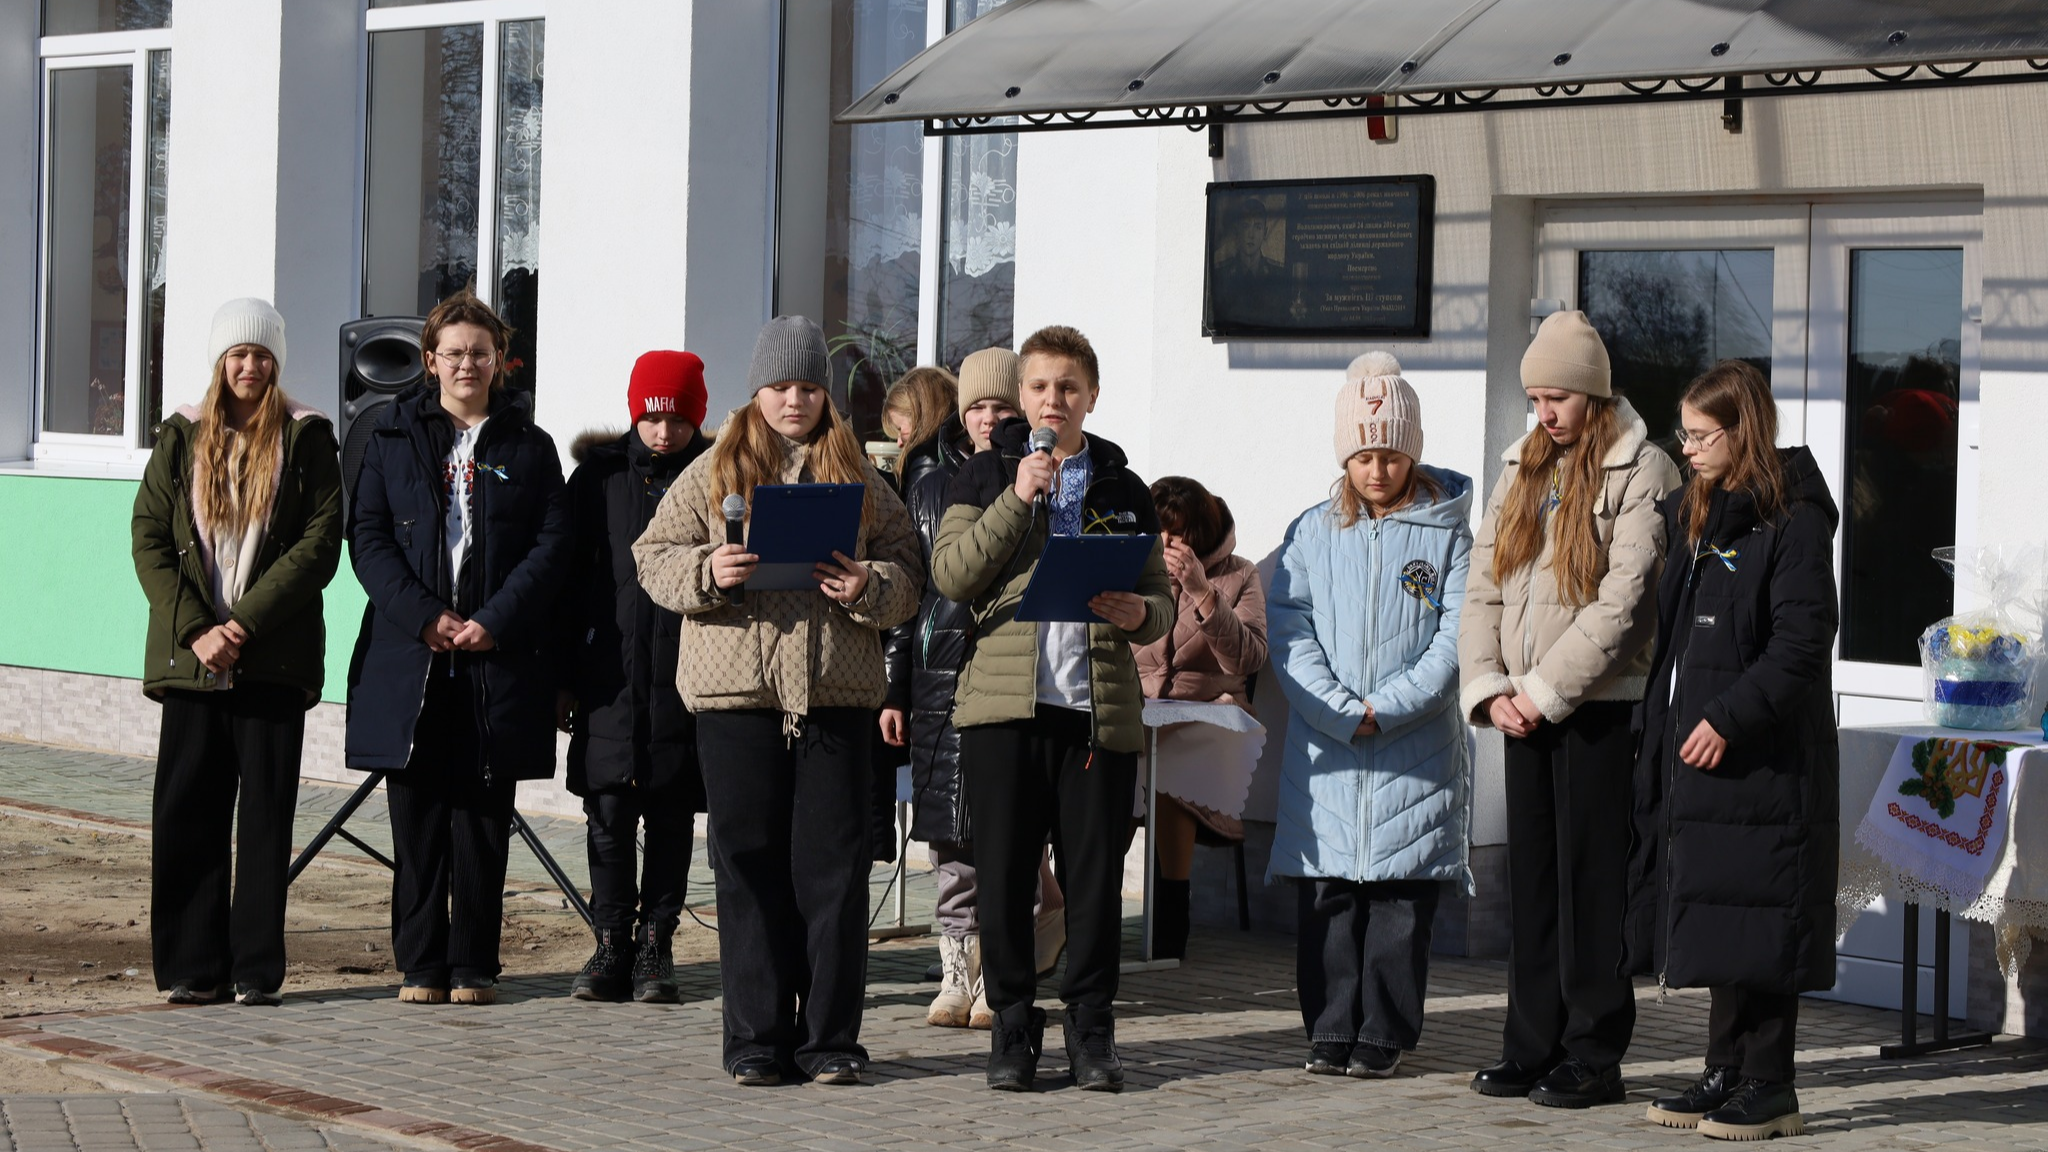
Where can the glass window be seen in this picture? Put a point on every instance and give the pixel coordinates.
(520, 52)
(407, 3)
(425, 152)
(977, 277)
(155, 222)
(85, 204)
(1667, 316)
(72, 17)
(1904, 383)
(874, 214)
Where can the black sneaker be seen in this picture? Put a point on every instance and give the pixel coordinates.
(1014, 1042)
(757, 1071)
(1577, 1084)
(186, 992)
(1091, 1049)
(654, 966)
(252, 996)
(837, 1070)
(1709, 1092)
(1759, 1110)
(1372, 1062)
(1327, 1058)
(1508, 1078)
(608, 974)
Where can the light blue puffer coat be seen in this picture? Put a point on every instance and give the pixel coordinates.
(1345, 633)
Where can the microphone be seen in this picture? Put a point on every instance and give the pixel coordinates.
(1043, 440)
(735, 510)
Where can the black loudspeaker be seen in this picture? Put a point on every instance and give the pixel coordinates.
(380, 361)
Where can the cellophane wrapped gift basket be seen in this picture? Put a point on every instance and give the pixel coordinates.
(1981, 666)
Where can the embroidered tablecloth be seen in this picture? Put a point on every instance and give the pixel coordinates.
(1207, 753)
(1944, 818)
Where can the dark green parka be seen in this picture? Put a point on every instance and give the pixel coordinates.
(281, 611)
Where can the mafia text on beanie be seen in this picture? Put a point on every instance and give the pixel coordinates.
(246, 321)
(667, 383)
(791, 348)
(1568, 354)
(990, 374)
(1377, 409)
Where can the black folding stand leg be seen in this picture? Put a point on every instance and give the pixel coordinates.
(334, 828)
(554, 870)
(1909, 994)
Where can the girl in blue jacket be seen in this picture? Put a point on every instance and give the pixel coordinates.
(1375, 784)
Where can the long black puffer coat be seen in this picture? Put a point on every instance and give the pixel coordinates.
(925, 655)
(619, 646)
(510, 584)
(1733, 872)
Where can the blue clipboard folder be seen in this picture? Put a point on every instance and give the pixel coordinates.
(795, 527)
(1075, 569)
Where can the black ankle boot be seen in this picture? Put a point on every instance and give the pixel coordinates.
(1091, 1049)
(1170, 920)
(607, 975)
(654, 964)
(1015, 1041)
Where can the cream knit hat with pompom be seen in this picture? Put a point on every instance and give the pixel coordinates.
(1377, 409)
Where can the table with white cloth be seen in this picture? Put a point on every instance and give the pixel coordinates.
(1946, 818)
(1186, 743)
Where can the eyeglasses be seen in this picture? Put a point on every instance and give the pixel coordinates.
(1702, 441)
(480, 359)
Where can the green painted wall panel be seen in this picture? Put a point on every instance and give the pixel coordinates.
(68, 596)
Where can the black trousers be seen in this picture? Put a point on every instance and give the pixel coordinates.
(613, 818)
(1024, 780)
(788, 817)
(1362, 960)
(1753, 1031)
(1570, 797)
(213, 745)
(450, 832)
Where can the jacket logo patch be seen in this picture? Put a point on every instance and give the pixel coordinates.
(1703, 621)
(1099, 523)
(1419, 579)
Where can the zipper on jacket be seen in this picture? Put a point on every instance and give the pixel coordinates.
(1670, 773)
(1372, 648)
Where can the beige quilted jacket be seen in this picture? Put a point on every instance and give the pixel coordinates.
(790, 651)
(1524, 636)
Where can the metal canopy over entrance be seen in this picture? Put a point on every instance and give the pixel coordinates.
(1048, 65)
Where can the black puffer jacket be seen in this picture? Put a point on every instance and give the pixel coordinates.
(619, 647)
(1733, 873)
(925, 655)
(511, 584)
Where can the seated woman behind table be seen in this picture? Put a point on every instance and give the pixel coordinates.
(1218, 641)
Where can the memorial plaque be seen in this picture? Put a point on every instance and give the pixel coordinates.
(1320, 258)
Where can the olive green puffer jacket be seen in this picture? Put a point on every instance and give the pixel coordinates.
(282, 610)
(988, 547)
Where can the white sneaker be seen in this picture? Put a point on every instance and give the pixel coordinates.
(957, 959)
(1050, 939)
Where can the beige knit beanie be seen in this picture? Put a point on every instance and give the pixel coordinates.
(990, 374)
(1377, 409)
(1568, 354)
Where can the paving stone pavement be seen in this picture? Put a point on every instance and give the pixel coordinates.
(162, 1122)
(1212, 1049)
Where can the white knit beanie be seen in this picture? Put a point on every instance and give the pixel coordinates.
(246, 321)
(1377, 409)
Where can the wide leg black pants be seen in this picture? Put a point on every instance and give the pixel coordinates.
(788, 816)
(613, 819)
(1362, 960)
(1024, 780)
(1570, 798)
(212, 746)
(1753, 1031)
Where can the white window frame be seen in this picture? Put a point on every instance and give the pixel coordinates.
(491, 14)
(76, 451)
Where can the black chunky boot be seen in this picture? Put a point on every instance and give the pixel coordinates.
(607, 975)
(1758, 1110)
(654, 964)
(1015, 1040)
(1710, 1091)
(1091, 1049)
(1170, 921)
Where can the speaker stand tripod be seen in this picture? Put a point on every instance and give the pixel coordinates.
(335, 827)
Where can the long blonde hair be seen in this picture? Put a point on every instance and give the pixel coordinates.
(1578, 562)
(927, 396)
(749, 453)
(234, 471)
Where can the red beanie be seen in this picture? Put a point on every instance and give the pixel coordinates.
(667, 382)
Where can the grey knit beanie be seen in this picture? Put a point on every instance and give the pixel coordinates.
(246, 321)
(791, 348)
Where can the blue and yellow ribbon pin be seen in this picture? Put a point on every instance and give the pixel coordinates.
(1725, 555)
(1415, 587)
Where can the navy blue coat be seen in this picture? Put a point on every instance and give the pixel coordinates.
(519, 556)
